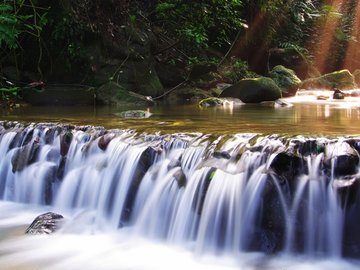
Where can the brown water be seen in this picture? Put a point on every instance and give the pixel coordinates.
(307, 116)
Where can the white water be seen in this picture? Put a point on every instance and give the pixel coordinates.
(120, 219)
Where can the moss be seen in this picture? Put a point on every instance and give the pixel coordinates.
(341, 79)
(286, 79)
(116, 94)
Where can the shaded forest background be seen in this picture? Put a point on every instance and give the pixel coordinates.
(93, 41)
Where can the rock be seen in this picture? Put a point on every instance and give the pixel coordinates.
(180, 177)
(221, 154)
(117, 94)
(253, 90)
(288, 165)
(341, 158)
(129, 64)
(338, 94)
(286, 79)
(65, 141)
(342, 80)
(347, 188)
(146, 160)
(269, 223)
(105, 140)
(346, 165)
(134, 114)
(144, 78)
(322, 97)
(280, 103)
(200, 195)
(211, 102)
(356, 75)
(45, 224)
(24, 156)
(355, 93)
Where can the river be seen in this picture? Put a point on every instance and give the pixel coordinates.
(210, 221)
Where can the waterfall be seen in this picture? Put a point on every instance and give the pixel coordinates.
(220, 195)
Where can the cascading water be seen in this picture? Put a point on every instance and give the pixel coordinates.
(215, 196)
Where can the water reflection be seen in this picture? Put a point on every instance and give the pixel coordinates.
(307, 116)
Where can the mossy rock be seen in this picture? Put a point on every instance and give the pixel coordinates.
(286, 79)
(115, 94)
(342, 80)
(134, 114)
(356, 75)
(254, 90)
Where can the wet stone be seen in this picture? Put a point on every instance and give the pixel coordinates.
(45, 224)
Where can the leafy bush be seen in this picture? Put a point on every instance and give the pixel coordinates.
(12, 23)
(201, 24)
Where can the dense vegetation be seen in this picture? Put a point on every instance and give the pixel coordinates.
(51, 40)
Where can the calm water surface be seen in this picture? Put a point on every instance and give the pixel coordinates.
(306, 116)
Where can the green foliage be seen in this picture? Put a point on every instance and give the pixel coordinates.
(237, 70)
(201, 24)
(66, 36)
(19, 17)
(293, 24)
(12, 23)
(8, 93)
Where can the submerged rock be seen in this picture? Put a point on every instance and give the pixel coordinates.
(254, 90)
(347, 188)
(342, 158)
(105, 140)
(65, 141)
(112, 93)
(338, 94)
(45, 224)
(288, 165)
(24, 156)
(135, 114)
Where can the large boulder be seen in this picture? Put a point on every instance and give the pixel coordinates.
(45, 224)
(112, 93)
(253, 90)
(342, 80)
(286, 79)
